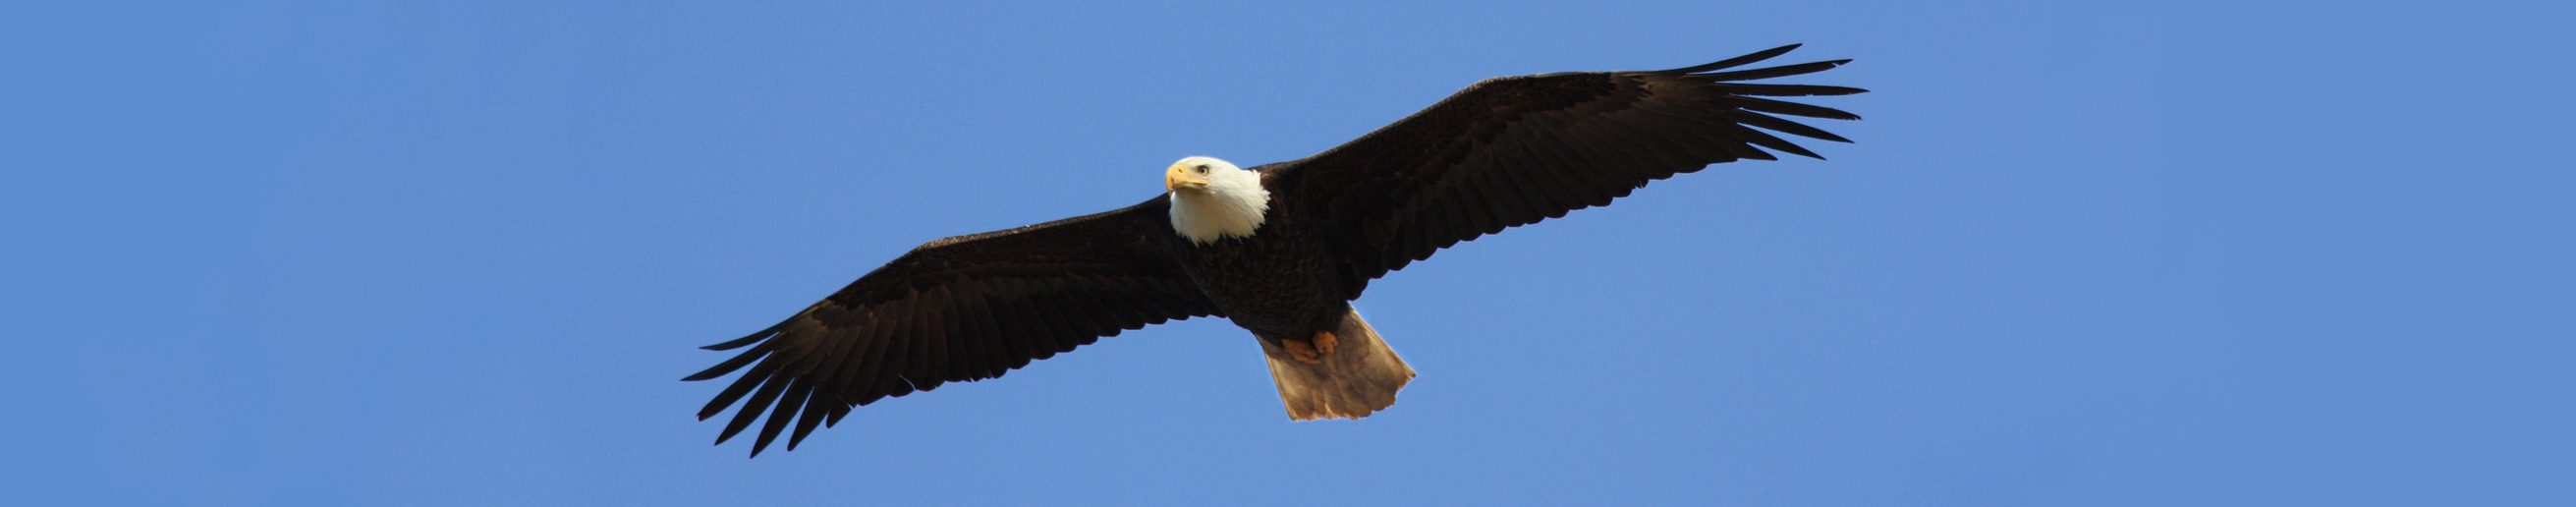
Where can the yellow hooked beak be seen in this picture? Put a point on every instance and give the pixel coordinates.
(1184, 176)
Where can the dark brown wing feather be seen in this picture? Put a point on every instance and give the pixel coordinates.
(1515, 150)
(958, 309)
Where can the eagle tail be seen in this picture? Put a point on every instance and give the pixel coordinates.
(1358, 377)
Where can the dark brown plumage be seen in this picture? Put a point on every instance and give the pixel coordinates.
(1502, 153)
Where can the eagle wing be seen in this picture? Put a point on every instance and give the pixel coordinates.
(958, 309)
(1514, 150)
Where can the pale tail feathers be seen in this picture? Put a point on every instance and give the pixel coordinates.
(1358, 378)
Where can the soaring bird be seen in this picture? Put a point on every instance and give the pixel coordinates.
(1281, 249)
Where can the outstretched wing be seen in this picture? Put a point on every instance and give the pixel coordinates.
(1512, 151)
(958, 309)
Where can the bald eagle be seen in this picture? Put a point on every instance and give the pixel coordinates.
(1279, 249)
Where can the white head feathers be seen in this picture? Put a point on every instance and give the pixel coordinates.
(1213, 200)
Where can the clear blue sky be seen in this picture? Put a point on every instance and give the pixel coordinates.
(459, 253)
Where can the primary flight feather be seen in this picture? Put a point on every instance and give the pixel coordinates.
(1280, 249)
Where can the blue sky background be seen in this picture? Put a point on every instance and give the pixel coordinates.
(459, 253)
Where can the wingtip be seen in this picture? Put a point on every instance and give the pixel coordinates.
(711, 409)
(747, 340)
(835, 417)
(1736, 61)
(739, 342)
(728, 366)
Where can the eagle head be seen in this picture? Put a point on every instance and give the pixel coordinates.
(1213, 199)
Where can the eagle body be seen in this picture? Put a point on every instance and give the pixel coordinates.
(1281, 249)
(1280, 282)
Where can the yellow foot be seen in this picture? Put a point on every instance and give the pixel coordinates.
(1314, 350)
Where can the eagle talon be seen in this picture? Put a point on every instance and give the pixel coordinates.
(1312, 350)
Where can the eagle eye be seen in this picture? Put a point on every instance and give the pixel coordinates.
(1203, 168)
